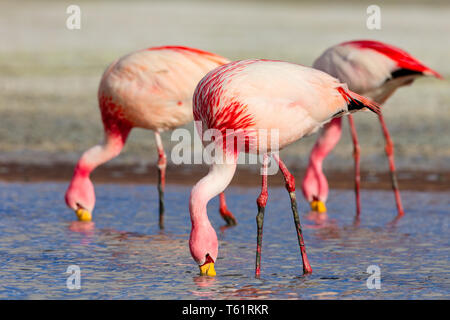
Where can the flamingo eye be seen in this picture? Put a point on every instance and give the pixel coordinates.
(208, 259)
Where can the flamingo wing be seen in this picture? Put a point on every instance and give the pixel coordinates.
(406, 64)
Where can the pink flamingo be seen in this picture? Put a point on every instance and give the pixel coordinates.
(375, 70)
(150, 89)
(251, 97)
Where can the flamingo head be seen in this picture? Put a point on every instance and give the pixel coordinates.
(204, 247)
(315, 186)
(80, 197)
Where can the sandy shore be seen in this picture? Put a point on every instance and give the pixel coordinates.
(245, 176)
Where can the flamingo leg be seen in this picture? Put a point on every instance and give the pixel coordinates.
(389, 148)
(356, 156)
(290, 186)
(162, 164)
(225, 213)
(261, 202)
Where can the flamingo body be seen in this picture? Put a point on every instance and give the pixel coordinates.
(247, 96)
(375, 70)
(281, 94)
(150, 89)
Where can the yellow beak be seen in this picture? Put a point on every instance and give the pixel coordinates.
(208, 269)
(318, 206)
(83, 215)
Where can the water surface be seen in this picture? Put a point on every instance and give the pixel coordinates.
(123, 255)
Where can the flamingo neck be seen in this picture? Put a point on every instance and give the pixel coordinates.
(98, 155)
(328, 139)
(315, 185)
(88, 162)
(211, 185)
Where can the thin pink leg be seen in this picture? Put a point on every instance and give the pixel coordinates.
(390, 154)
(290, 186)
(162, 164)
(261, 202)
(225, 213)
(356, 155)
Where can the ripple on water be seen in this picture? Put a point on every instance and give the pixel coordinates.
(123, 255)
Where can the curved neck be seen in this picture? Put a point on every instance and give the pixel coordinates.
(98, 155)
(218, 178)
(315, 185)
(327, 140)
(90, 159)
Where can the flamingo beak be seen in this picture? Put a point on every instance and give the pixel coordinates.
(318, 206)
(207, 269)
(83, 215)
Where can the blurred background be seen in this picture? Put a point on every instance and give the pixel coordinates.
(49, 76)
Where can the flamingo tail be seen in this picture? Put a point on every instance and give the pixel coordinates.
(358, 102)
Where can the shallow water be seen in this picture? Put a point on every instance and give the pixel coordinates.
(125, 256)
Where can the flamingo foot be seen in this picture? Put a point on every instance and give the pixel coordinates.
(400, 214)
(306, 266)
(357, 221)
(394, 222)
(228, 217)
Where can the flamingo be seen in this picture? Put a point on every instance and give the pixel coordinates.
(248, 97)
(150, 89)
(375, 70)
